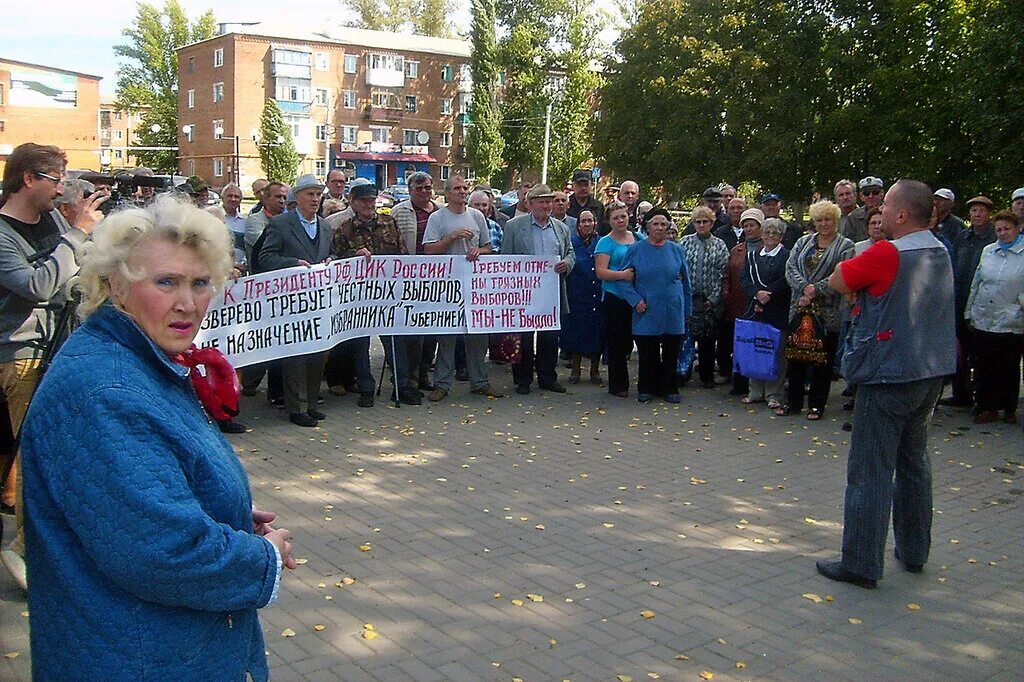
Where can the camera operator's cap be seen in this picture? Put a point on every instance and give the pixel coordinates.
(363, 192)
(186, 188)
(946, 194)
(770, 196)
(983, 200)
(712, 193)
(581, 175)
(307, 181)
(752, 214)
(870, 181)
(542, 192)
(1018, 194)
(197, 184)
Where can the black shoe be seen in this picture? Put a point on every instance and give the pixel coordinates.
(849, 405)
(955, 402)
(410, 398)
(250, 392)
(833, 570)
(462, 375)
(6, 509)
(522, 389)
(316, 414)
(365, 400)
(910, 568)
(848, 392)
(302, 419)
(847, 426)
(231, 426)
(426, 386)
(644, 398)
(707, 384)
(277, 402)
(554, 387)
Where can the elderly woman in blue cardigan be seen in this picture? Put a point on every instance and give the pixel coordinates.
(660, 296)
(146, 558)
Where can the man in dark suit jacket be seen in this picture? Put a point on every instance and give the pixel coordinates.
(300, 238)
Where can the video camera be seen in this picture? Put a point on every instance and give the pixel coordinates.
(122, 187)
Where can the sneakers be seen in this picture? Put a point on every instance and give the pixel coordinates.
(487, 390)
(15, 565)
(437, 395)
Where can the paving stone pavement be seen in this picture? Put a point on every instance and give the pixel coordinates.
(526, 537)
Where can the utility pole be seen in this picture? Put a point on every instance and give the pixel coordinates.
(547, 144)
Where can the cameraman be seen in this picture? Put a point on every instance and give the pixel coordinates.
(37, 258)
(144, 193)
(73, 199)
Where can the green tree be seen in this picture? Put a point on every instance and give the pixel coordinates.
(277, 150)
(571, 115)
(421, 17)
(147, 79)
(484, 143)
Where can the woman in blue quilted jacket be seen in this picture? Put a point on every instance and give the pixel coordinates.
(146, 558)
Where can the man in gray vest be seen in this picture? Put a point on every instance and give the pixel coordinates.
(897, 357)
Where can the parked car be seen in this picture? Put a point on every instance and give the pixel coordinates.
(509, 198)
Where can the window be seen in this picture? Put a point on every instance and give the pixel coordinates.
(218, 167)
(323, 61)
(384, 99)
(119, 134)
(297, 57)
(320, 168)
(189, 130)
(446, 139)
(321, 97)
(191, 167)
(348, 134)
(447, 72)
(293, 90)
(465, 74)
(380, 133)
(446, 172)
(117, 154)
(409, 137)
(218, 124)
(191, 64)
(412, 69)
(389, 62)
(349, 99)
(191, 99)
(321, 132)
(218, 92)
(351, 63)
(218, 57)
(294, 123)
(410, 103)
(3, 126)
(117, 115)
(446, 106)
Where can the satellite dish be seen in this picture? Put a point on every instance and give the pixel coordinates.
(423, 137)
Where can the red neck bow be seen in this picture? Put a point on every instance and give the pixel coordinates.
(216, 385)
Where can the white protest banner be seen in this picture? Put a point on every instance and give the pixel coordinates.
(307, 310)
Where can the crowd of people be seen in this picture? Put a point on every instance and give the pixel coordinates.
(127, 416)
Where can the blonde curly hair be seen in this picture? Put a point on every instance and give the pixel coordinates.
(118, 236)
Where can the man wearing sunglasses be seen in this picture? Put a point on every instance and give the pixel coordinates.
(856, 223)
(37, 258)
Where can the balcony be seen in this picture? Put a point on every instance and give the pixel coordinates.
(300, 108)
(105, 137)
(382, 114)
(279, 70)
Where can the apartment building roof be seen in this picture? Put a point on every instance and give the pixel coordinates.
(50, 68)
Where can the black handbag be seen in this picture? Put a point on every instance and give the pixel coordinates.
(805, 339)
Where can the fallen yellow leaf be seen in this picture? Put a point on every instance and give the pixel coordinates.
(535, 597)
(624, 678)
(580, 586)
(740, 665)
(364, 548)
(552, 643)
(654, 676)
(369, 626)
(301, 561)
(288, 633)
(12, 655)
(348, 581)
(706, 675)
(539, 526)
(682, 657)
(517, 602)
(914, 607)
(647, 615)
(854, 621)
(369, 634)
(813, 597)
(608, 525)
(319, 628)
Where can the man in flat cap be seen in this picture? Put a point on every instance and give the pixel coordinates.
(968, 247)
(299, 238)
(539, 234)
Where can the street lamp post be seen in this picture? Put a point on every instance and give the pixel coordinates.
(219, 132)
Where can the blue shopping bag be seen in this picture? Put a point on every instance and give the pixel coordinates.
(756, 350)
(687, 354)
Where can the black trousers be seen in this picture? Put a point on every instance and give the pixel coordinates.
(618, 318)
(963, 386)
(723, 347)
(252, 377)
(544, 360)
(820, 375)
(997, 369)
(341, 365)
(659, 356)
(705, 346)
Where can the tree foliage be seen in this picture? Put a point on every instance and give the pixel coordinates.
(484, 143)
(796, 94)
(148, 75)
(277, 149)
(421, 17)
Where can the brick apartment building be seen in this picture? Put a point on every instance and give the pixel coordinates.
(382, 105)
(117, 134)
(49, 106)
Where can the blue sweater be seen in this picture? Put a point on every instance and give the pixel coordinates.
(662, 280)
(141, 560)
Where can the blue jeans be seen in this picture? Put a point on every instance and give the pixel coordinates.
(890, 436)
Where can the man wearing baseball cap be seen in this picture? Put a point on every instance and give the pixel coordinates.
(948, 225)
(581, 197)
(1018, 203)
(856, 224)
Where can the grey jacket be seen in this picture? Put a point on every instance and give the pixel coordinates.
(828, 303)
(996, 301)
(255, 223)
(287, 243)
(405, 215)
(33, 293)
(517, 240)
